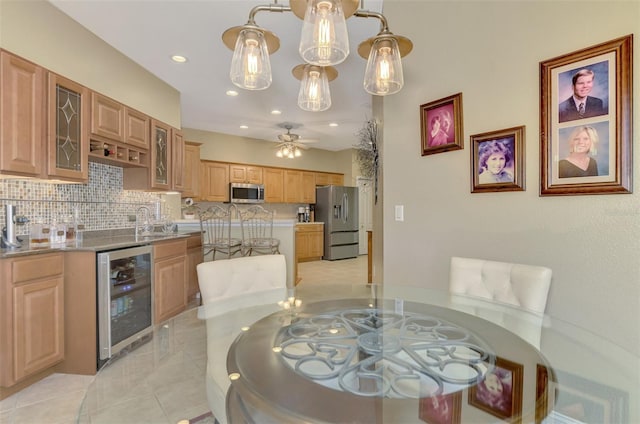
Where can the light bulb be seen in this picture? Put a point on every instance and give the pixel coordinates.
(285, 150)
(383, 75)
(314, 94)
(279, 153)
(324, 39)
(298, 153)
(250, 66)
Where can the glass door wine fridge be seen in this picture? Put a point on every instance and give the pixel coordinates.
(125, 281)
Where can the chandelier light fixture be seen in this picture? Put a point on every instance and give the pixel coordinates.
(289, 150)
(324, 43)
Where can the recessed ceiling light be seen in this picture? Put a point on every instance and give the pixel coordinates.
(232, 93)
(244, 127)
(276, 112)
(179, 59)
(333, 124)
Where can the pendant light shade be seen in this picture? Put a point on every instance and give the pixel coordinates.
(250, 66)
(324, 40)
(314, 94)
(383, 75)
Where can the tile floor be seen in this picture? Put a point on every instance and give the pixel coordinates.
(159, 382)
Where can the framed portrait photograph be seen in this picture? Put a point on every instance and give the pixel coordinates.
(497, 160)
(500, 391)
(441, 125)
(441, 409)
(571, 398)
(586, 121)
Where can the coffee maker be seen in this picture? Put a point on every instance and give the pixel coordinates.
(9, 239)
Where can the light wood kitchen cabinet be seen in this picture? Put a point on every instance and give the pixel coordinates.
(170, 275)
(22, 117)
(327, 178)
(273, 185)
(215, 181)
(107, 118)
(68, 129)
(165, 162)
(245, 174)
(299, 186)
(136, 129)
(191, 170)
(194, 257)
(177, 160)
(32, 333)
(161, 151)
(309, 242)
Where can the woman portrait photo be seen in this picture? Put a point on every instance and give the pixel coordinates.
(495, 161)
(495, 391)
(440, 126)
(583, 148)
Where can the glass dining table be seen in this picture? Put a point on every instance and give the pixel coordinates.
(397, 354)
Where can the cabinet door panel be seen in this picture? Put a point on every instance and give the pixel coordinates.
(191, 170)
(177, 159)
(107, 117)
(215, 181)
(68, 128)
(161, 153)
(170, 293)
(273, 185)
(136, 130)
(22, 117)
(39, 320)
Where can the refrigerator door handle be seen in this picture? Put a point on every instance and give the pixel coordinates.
(345, 201)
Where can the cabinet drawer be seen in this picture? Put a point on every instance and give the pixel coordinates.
(37, 266)
(194, 241)
(309, 228)
(169, 249)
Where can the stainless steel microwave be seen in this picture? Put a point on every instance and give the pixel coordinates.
(246, 193)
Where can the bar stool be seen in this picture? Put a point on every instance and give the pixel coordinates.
(257, 232)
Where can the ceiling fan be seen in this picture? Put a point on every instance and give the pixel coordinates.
(290, 144)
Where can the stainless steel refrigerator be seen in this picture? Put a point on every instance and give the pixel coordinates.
(337, 207)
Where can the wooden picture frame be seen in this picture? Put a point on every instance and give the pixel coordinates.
(441, 409)
(565, 397)
(505, 403)
(586, 121)
(497, 161)
(441, 125)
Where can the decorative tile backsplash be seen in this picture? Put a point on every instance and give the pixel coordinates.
(102, 202)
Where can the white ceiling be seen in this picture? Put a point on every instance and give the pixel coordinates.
(151, 31)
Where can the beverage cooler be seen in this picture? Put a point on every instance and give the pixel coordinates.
(125, 281)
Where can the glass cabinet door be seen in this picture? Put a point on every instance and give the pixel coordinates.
(69, 106)
(160, 155)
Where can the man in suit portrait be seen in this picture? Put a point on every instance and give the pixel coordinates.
(580, 105)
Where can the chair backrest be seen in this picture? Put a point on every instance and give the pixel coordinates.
(256, 223)
(215, 225)
(526, 286)
(240, 282)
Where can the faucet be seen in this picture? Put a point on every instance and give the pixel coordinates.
(146, 217)
(9, 238)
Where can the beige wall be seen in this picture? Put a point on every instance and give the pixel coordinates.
(229, 148)
(39, 32)
(490, 51)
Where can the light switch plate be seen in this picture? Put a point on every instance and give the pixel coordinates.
(399, 213)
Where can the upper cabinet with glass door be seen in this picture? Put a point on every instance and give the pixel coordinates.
(161, 151)
(68, 129)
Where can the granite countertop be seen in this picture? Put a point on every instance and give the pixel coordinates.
(97, 241)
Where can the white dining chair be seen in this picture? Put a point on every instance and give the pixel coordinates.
(228, 289)
(521, 289)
